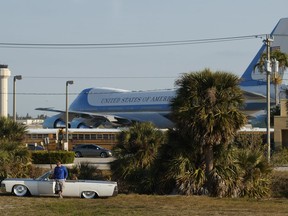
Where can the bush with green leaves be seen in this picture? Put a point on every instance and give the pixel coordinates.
(51, 157)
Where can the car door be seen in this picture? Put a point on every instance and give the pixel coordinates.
(84, 150)
(71, 188)
(46, 187)
(94, 151)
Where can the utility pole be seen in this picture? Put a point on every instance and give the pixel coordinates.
(268, 41)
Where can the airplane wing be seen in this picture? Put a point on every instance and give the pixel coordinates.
(74, 114)
(78, 119)
(91, 119)
(50, 109)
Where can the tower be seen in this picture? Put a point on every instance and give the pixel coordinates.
(4, 75)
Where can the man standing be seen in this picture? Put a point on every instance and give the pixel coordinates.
(60, 175)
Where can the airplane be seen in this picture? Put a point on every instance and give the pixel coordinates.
(111, 107)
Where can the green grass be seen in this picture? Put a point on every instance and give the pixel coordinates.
(141, 205)
(145, 205)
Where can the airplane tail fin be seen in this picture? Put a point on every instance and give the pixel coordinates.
(252, 76)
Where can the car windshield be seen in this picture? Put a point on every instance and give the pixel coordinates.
(44, 176)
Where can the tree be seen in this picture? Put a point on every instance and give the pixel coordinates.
(10, 130)
(255, 172)
(242, 169)
(179, 166)
(207, 108)
(14, 156)
(282, 58)
(137, 149)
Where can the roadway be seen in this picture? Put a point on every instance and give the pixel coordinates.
(101, 163)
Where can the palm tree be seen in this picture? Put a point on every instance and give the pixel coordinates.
(14, 156)
(255, 172)
(226, 173)
(242, 172)
(282, 58)
(15, 160)
(179, 166)
(206, 107)
(10, 130)
(137, 149)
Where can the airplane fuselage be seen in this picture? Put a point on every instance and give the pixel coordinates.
(114, 101)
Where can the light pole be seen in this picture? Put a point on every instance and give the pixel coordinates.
(268, 41)
(70, 82)
(18, 77)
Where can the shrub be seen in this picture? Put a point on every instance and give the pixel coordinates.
(279, 185)
(46, 157)
(280, 158)
(85, 170)
(14, 160)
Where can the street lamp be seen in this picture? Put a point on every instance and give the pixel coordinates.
(18, 77)
(268, 74)
(70, 82)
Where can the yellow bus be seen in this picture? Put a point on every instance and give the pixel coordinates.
(55, 139)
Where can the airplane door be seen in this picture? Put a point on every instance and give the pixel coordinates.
(46, 187)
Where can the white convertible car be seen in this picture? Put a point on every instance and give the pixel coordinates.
(44, 186)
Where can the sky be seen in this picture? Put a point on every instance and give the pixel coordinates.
(46, 70)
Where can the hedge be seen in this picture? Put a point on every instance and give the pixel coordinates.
(47, 157)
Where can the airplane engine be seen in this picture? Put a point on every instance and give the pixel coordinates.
(79, 123)
(92, 122)
(55, 121)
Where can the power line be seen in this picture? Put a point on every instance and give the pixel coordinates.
(124, 45)
(71, 93)
(99, 77)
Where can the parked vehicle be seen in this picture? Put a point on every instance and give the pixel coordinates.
(45, 186)
(35, 147)
(91, 150)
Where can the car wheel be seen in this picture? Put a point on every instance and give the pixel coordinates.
(78, 154)
(103, 155)
(88, 194)
(20, 190)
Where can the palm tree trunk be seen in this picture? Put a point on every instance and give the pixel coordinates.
(209, 159)
(209, 162)
(276, 94)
